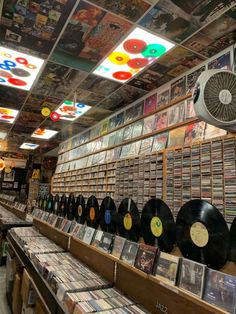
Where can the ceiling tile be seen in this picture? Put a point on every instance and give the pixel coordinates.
(98, 113)
(22, 129)
(131, 10)
(29, 118)
(99, 85)
(12, 98)
(88, 37)
(33, 27)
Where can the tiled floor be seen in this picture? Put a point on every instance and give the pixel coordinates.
(4, 309)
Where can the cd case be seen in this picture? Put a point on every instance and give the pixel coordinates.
(167, 267)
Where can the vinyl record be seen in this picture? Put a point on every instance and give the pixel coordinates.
(49, 206)
(92, 212)
(128, 220)
(56, 204)
(71, 207)
(80, 209)
(157, 225)
(62, 207)
(108, 215)
(202, 233)
(233, 241)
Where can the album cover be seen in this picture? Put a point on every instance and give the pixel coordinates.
(128, 131)
(212, 131)
(66, 227)
(189, 110)
(178, 88)
(118, 246)
(192, 277)
(125, 151)
(192, 78)
(176, 137)
(160, 141)
(112, 138)
(97, 238)
(194, 132)
(134, 112)
(134, 148)
(150, 104)
(161, 119)
(220, 290)
(223, 62)
(119, 136)
(146, 257)
(163, 98)
(137, 128)
(176, 114)
(106, 242)
(148, 124)
(81, 232)
(129, 252)
(167, 267)
(146, 145)
(104, 127)
(88, 235)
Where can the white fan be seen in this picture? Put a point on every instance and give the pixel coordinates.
(214, 98)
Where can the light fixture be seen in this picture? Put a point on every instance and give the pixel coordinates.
(44, 133)
(138, 50)
(71, 110)
(8, 115)
(18, 69)
(30, 146)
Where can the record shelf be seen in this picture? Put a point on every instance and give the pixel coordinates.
(153, 293)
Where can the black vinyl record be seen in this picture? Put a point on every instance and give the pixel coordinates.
(128, 220)
(49, 207)
(233, 241)
(92, 212)
(158, 225)
(63, 205)
(202, 233)
(108, 215)
(71, 207)
(56, 204)
(80, 212)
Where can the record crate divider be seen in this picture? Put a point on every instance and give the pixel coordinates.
(19, 213)
(59, 237)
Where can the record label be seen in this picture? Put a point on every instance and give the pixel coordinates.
(80, 210)
(156, 226)
(127, 221)
(92, 213)
(107, 216)
(199, 234)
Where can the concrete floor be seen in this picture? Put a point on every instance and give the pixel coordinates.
(4, 309)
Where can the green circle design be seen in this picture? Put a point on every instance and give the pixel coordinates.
(154, 51)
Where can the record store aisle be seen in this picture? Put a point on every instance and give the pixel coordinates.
(4, 309)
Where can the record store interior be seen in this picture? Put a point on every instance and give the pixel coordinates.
(118, 156)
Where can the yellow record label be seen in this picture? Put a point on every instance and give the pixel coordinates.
(199, 234)
(156, 226)
(45, 111)
(127, 221)
(92, 213)
(8, 169)
(80, 210)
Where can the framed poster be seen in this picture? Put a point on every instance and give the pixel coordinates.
(9, 177)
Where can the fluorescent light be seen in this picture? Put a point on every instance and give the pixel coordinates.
(8, 115)
(44, 133)
(30, 146)
(69, 111)
(18, 69)
(136, 52)
(3, 135)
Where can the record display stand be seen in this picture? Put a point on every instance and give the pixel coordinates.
(59, 237)
(163, 298)
(18, 213)
(100, 261)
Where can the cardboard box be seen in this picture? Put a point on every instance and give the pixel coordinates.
(16, 297)
(27, 309)
(27, 290)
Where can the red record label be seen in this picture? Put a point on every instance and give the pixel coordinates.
(122, 75)
(54, 116)
(138, 63)
(134, 45)
(21, 60)
(16, 82)
(5, 74)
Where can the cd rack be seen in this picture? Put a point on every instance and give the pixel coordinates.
(163, 297)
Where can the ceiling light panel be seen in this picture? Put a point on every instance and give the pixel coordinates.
(8, 115)
(70, 111)
(44, 134)
(18, 69)
(30, 146)
(136, 52)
